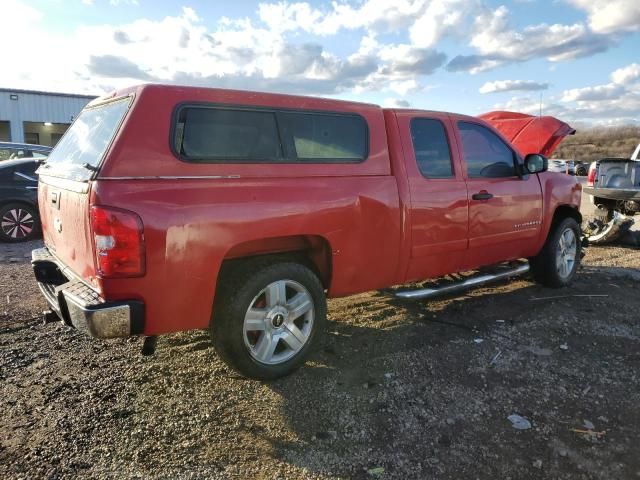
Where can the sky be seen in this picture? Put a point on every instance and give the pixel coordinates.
(578, 60)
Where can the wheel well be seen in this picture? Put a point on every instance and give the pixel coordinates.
(20, 201)
(566, 211)
(310, 250)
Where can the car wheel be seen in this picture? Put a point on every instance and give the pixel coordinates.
(557, 263)
(18, 222)
(268, 318)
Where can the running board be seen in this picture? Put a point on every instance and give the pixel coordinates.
(464, 285)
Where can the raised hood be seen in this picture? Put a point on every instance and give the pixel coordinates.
(529, 134)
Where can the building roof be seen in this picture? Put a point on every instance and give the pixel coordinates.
(53, 94)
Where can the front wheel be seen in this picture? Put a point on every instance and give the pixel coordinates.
(557, 263)
(268, 318)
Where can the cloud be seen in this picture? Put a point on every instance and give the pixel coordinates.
(112, 66)
(512, 85)
(372, 15)
(497, 43)
(627, 75)
(595, 93)
(611, 16)
(395, 103)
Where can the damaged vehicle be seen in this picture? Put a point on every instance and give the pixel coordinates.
(613, 185)
(168, 208)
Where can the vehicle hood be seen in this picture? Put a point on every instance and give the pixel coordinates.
(529, 134)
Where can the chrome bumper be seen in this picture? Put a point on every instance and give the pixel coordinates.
(80, 306)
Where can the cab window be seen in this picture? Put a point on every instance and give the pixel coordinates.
(485, 153)
(431, 148)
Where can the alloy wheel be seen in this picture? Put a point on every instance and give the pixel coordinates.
(566, 252)
(17, 223)
(278, 322)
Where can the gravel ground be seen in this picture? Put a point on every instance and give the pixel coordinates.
(397, 390)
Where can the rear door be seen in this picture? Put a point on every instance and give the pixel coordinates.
(65, 184)
(439, 209)
(505, 209)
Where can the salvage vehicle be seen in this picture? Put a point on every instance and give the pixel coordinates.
(168, 208)
(613, 186)
(19, 219)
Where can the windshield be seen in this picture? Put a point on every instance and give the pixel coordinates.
(80, 151)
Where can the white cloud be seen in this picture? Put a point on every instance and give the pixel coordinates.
(512, 85)
(593, 94)
(610, 16)
(497, 43)
(627, 75)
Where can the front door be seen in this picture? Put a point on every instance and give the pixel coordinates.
(505, 209)
(439, 209)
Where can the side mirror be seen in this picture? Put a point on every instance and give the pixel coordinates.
(536, 163)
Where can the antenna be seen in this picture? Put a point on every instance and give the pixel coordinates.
(540, 105)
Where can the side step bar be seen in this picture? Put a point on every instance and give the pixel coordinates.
(466, 284)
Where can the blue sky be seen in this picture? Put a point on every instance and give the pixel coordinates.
(578, 59)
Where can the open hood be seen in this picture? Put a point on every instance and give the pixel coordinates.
(529, 134)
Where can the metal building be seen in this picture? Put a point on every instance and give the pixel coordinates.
(37, 117)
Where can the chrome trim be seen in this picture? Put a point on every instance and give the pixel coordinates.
(110, 322)
(31, 188)
(471, 282)
(65, 183)
(26, 177)
(173, 177)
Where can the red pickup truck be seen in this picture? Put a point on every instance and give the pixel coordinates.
(168, 208)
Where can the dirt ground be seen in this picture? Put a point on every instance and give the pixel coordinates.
(404, 390)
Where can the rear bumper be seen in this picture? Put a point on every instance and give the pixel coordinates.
(614, 193)
(80, 306)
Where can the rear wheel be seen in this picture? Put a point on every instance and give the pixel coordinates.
(268, 318)
(18, 222)
(557, 263)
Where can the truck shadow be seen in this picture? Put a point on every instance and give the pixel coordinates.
(393, 385)
(370, 397)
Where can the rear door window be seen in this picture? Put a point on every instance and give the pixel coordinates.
(485, 153)
(431, 148)
(79, 153)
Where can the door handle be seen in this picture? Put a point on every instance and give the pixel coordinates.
(483, 195)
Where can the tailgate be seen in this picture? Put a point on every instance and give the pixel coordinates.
(64, 211)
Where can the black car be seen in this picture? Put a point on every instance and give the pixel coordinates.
(19, 220)
(11, 150)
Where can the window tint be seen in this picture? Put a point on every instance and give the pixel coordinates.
(325, 137)
(431, 148)
(485, 153)
(221, 134)
(228, 135)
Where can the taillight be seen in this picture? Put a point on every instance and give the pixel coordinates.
(591, 178)
(119, 242)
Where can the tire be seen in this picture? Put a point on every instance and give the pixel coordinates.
(557, 263)
(269, 317)
(605, 232)
(19, 222)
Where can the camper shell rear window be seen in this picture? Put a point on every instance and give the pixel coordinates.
(235, 134)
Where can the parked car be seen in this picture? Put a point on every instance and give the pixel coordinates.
(582, 169)
(18, 200)
(613, 186)
(562, 166)
(240, 212)
(11, 150)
